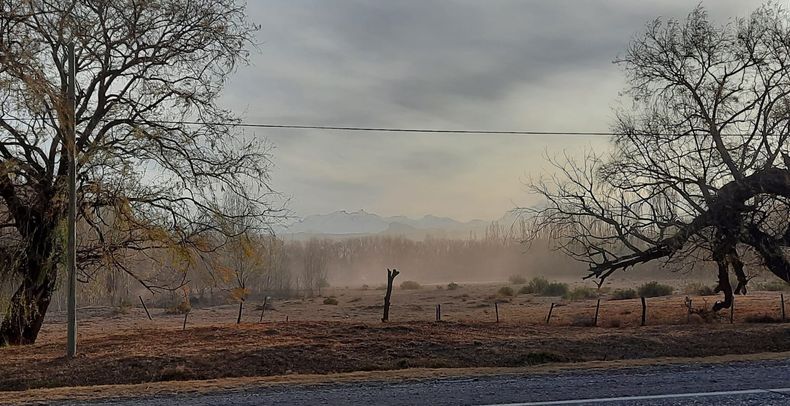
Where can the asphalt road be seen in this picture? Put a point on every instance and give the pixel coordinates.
(745, 383)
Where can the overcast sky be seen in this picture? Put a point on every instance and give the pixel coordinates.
(494, 65)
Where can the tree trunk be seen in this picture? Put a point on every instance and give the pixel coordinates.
(29, 303)
(390, 278)
(27, 310)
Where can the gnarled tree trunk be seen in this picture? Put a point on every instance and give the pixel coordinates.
(29, 303)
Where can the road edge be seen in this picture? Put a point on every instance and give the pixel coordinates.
(153, 389)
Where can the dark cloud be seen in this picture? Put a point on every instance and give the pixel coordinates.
(500, 64)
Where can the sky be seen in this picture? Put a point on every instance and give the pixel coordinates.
(541, 65)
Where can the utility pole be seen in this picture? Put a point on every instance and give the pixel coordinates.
(71, 227)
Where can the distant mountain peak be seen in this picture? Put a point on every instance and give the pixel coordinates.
(343, 222)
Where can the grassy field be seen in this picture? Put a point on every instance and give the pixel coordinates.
(122, 346)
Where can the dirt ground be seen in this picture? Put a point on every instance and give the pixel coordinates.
(121, 346)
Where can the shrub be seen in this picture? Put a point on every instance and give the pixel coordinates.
(505, 291)
(540, 286)
(696, 288)
(622, 294)
(182, 308)
(655, 289)
(517, 279)
(773, 286)
(536, 285)
(410, 285)
(581, 293)
(330, 301)
(555, 289)
(453, 286)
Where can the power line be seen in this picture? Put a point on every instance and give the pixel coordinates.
(396, 130)
(241, 124)
(372, 129)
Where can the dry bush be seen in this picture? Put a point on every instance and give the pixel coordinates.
(699, 289)
(410, 285)
(536, 285)
(772, 286)
(624, 294)
(555, 289)
(580, 293)
(331, 300)
(655, 289)
(453, 286)
(182, 308)
(505, 291)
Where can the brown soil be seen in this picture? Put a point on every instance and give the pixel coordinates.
(126, 348)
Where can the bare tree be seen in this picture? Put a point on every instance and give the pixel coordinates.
(699, 166)
(314, 265)
(146, 179)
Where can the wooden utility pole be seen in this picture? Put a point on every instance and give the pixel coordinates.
(390, 278)
(71, 226)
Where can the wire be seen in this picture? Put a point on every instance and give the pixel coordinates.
(397, 130)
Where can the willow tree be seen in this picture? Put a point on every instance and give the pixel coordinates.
(698, 169)
(146, 180)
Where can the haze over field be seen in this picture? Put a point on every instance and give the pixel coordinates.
(503, 65)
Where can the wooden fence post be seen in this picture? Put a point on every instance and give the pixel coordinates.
(263, 309)
(185, 320)
(597, 307)
(496, 309)
(145, 308)
(438, 312)
(550, 310)
(241, 307)
(644, 311)
(390, 277)
(732, 310)
(782, 299)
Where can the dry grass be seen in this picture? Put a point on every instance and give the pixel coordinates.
(127, 348)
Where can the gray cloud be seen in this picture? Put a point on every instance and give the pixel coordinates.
(500, 64)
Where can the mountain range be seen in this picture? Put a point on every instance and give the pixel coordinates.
(345, 223)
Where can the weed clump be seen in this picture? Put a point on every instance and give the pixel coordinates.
(453, 286)
(505, 291)
(331, 300)
(655, 289)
